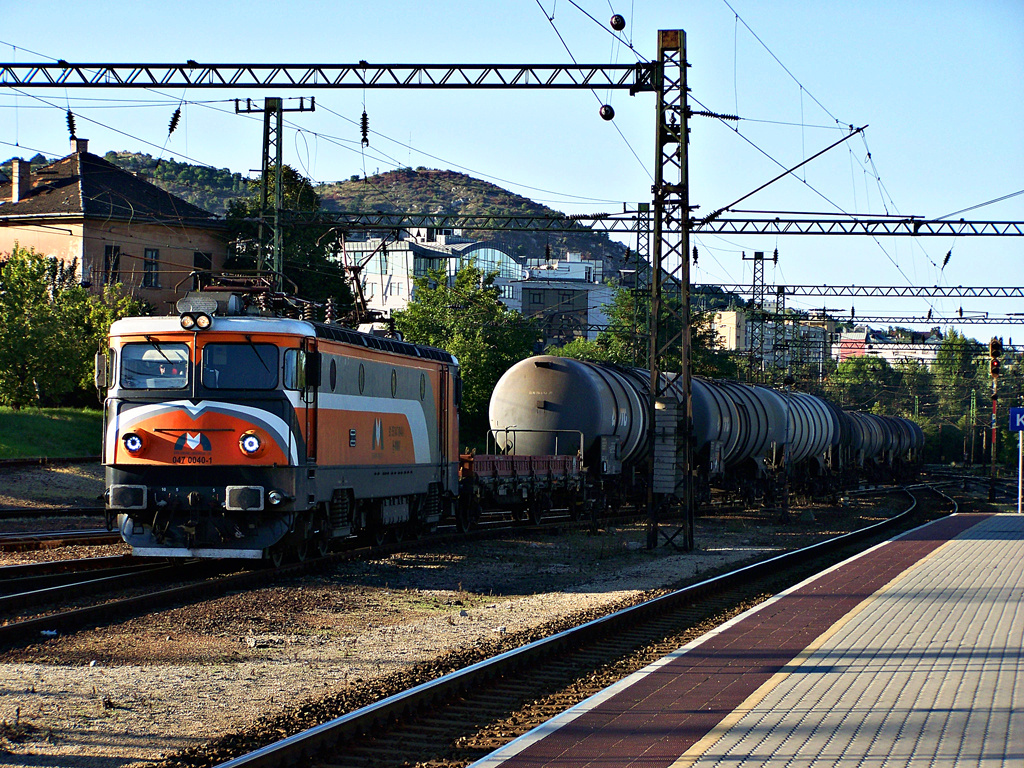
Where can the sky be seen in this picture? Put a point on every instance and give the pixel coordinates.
(939, 85)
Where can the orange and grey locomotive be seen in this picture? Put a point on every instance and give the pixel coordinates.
(238, 435)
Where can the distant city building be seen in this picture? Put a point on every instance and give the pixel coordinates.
(566, 297)
(805, 341)
(863, 341)
(114, 226)
(390, 267)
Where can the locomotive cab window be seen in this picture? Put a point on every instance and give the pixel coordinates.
(154, 365)
(239, 366)
(294, 369)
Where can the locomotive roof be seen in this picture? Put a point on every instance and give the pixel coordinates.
(278, 325)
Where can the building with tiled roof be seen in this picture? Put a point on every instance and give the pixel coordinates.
(114, 226)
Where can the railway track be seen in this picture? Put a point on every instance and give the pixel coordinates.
(21, 542)
(26, 513)
(456, 718)
(61, 597)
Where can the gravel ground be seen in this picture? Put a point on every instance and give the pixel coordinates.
(133, 693)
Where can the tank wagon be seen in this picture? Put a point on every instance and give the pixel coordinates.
(746, 438)
(230, 434)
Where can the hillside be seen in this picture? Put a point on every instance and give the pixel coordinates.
(406, 190)
(426, 190)
(209, 188)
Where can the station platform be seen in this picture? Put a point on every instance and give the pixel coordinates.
(909, 654)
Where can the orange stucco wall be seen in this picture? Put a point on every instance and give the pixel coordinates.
(86, 244)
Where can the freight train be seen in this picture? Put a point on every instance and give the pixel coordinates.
(234, 432)
(747, 440)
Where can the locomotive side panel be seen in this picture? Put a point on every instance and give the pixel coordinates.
(382, 422)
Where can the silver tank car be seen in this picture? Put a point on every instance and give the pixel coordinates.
(553, 405)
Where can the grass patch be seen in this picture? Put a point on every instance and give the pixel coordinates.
(50, 432)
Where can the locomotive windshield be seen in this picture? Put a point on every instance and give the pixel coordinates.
(154, 366)
(239, 366)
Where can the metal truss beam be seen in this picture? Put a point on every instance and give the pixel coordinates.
(627, 222)
(597, 222)
(921, 320)
(632, 77)
(877, 227)
(888, 291)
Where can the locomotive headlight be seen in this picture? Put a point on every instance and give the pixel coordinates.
(133, 443)
(250, 444)
(275, 497)
(195, 321)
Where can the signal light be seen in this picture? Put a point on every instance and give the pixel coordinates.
(995, 348)
(994, 366)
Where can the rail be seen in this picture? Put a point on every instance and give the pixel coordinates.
(301, 746)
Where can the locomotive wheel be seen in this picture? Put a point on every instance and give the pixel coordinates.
(379, 535)
(540, 506)
(323, 546)
(575, 509)
(302, 550)
(464, 515)
(277, 555)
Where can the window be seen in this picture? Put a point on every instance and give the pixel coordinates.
(536, 297)
(201, 262)
(111, 265)
(239, 366)
(154, 366)
(151, 268)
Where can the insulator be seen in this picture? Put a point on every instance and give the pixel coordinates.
(174, 121)
(71, 124)
(618, 23)
(308, 312)
(606, 112)
(364, 128)
(695, 255)
(330, 311)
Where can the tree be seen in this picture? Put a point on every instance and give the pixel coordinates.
(863, 383)
(627, 339)
(305, 242)
(50, 328)
(581, 349)
(467, 319)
